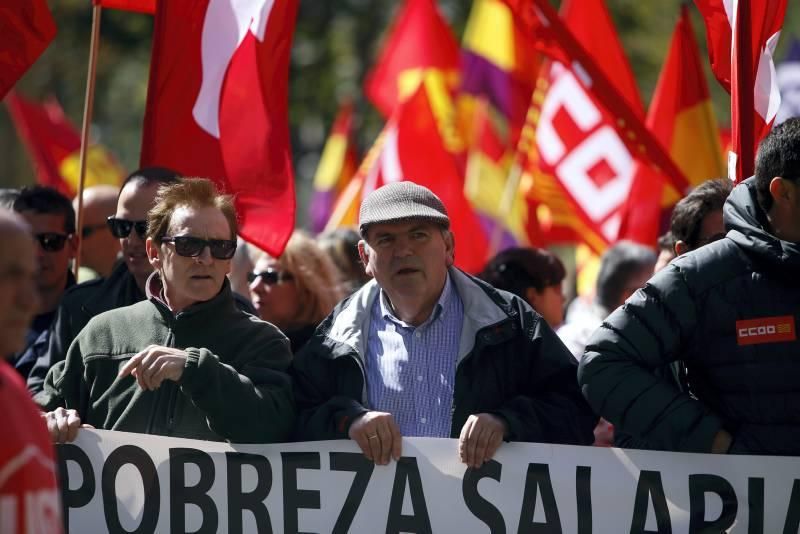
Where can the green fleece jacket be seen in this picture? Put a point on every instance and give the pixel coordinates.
(234, 386)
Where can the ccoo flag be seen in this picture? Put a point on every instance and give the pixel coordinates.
(217, 106)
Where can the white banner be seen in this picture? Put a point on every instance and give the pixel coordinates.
(120, 482)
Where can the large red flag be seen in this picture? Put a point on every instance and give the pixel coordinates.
(681, 117)
(26, 30)
(742, 37)
(139, 6)
(217, 106)
(54, 146)
(586, 134)
(590, 23)
(419, 39)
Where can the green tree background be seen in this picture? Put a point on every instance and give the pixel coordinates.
(335, 43)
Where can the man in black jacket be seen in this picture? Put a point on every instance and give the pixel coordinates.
(729, 311)
(426, 350)
(125, 285)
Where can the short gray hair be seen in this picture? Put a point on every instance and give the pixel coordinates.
(619, 265)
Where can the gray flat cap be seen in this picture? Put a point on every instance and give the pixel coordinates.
(400, 201)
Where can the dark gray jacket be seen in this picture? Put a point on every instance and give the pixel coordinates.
(700, 310)
(510, 364)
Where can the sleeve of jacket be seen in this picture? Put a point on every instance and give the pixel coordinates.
(326, 392)
(553, 410)
(618, 374)
(60, 338)
(252, 405)
(65, 384)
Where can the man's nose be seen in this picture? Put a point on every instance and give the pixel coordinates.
(402, 247)
(205, 256)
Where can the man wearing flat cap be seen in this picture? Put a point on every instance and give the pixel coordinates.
(427, 350)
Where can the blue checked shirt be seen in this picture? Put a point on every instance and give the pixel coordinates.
(411, 370)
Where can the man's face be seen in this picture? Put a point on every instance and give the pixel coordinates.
(99, 248)
(409, 260)
(135, 200)
(52, 265)
(19, 298)
(188, 280)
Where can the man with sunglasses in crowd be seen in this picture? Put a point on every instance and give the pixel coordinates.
(52, 220)
(124, 286)
(186, 362)
(99, 247)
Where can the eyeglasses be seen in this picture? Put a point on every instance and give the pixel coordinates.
(191, 247)
(121, 228)
(88, 230)
(270, 277)
(51, 241)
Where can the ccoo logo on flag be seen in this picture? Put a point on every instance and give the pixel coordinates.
(765, 330)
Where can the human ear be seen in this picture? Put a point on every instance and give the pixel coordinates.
(681, 248)
(153, 253)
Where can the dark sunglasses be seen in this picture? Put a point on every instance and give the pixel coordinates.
(87, 231)
(191, 247)
(121, 228)
(270, 277)
(51, 242)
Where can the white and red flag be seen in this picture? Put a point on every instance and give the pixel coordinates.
(742, 36)
(217, 105)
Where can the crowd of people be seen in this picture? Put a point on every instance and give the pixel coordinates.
(184, 330)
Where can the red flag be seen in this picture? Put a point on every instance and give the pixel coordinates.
(26, 30)
(54, 145)
(590, 23)
(748, 33)
(217, 106)
(139, 6)
(419, 39)
(681, 117)
(412, 147)
(586, 135)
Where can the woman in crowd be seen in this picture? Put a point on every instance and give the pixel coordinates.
(296, 291)
(534, 275)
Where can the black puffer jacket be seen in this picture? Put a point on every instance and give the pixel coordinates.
(701, 309)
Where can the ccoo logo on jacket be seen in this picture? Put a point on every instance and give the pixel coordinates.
(766, 330)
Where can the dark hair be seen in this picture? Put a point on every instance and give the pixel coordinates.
(151, 175)
(516, 269)
(666, 242)
(341, 245)
(618, 266)
(46, 200)
(778, 155)
(689, 212)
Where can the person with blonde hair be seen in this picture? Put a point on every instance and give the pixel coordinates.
(296, 291)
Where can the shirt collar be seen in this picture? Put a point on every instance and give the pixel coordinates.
(438, 309)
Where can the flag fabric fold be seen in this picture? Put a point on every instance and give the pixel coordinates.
(742, 38)
(419, 40)
(26, 30)
(54, 147)
(336, 168)
(682, 119)
(217, 106)
(139, 6)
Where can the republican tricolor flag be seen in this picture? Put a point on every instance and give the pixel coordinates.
(217, 106)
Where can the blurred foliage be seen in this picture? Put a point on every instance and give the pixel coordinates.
(335, 44)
